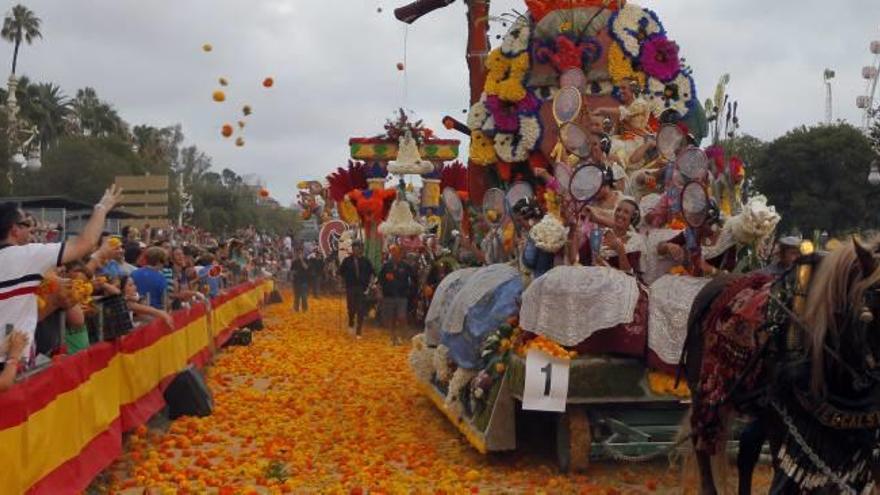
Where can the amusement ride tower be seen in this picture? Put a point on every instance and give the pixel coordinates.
(867, 101)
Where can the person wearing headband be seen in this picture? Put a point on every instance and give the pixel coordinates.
(622, 245)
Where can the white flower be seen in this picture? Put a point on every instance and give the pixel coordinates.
(460, 380)
(504, 147)
(516, 40)
(756, 221)
(549, 234)
(400, 221)
(409, 160)
(478, 115)
(679, 97)
(625, 23)
(421, 359)
(441, 363)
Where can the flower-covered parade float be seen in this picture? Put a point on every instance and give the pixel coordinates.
(380, 211)
(598, 218)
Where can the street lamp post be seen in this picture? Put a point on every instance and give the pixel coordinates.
(874, 174)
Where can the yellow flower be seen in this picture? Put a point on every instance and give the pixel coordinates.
(620, 68)
(482, 150)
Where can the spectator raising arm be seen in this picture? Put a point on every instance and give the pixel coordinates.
(83, 244)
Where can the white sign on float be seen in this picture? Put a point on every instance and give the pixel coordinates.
(546, 387)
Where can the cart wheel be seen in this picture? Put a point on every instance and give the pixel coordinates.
(574, 440)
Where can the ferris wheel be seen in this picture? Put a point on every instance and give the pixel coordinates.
(867, 102)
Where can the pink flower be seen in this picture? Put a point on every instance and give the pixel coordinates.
(659, 58)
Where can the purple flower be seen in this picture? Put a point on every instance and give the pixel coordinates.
(659, 58)
(506, 115)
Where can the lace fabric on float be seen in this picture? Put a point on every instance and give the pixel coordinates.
(568, 304)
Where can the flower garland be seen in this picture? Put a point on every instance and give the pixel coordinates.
(659, 58)
(679, 94)
(506, 115)
(506, 75)
(516, 41)
(421, 359)
(442, 370)
(663, 384)
(547, 346)
(459, 382)
(482, 149)
(620, 67)
(516, 147)
(479, 116)
(631, 25)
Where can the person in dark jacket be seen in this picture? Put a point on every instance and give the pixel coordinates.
(356, 273)
(396, 279)
(316, 272)
(299, 277)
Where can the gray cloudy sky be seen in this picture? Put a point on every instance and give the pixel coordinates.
(334, 66)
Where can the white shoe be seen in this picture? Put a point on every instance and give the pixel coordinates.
(359, 337)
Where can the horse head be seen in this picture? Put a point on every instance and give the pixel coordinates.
(843, 316)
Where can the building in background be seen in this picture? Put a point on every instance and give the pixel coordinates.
(145, 197)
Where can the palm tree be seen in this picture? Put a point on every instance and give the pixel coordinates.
(48, 108)
(95, 117)
(20, 25)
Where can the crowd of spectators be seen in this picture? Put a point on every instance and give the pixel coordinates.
(59, 297)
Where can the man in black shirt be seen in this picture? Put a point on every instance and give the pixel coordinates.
(299, 276)
(356, 273)
(396, 279)
(316, 272)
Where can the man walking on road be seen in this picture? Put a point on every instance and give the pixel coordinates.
(299, 276)
(397, 280)
(357, 273)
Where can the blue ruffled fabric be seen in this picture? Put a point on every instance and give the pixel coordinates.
(539, 262)
(481, 320)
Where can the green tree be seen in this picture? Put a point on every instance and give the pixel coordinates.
(81, 168)
(46, 106)
(874, 136)
(95, 117)
(20, 25)
(816, 178)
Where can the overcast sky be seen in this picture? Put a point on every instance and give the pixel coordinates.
(335, 77)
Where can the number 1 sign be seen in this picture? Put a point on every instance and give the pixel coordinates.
(546, 387)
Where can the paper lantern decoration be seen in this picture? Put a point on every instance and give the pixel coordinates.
(246, 110)
(268, 82)
(226, 130)
(264, 193)
(219, 96)
(239, 142)
(223, 81)
(400, 66)
(207, 47)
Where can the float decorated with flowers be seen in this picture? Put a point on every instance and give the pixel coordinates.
(594, 215)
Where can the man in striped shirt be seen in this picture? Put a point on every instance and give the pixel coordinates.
(22, 265)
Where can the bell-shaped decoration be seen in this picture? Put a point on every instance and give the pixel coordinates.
(400, 221)
(409, 160)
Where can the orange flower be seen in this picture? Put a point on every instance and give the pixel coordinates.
(268, 82)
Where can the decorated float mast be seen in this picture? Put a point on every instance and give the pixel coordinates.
(575, 88)
(384, 214)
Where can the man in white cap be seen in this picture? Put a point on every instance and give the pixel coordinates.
(787, 252)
